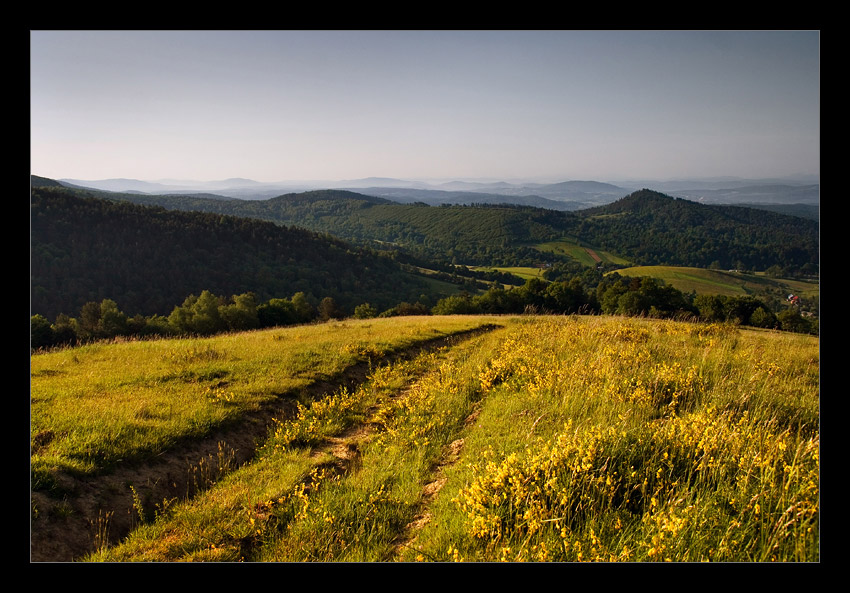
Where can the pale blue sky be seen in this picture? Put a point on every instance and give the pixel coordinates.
(295, 105)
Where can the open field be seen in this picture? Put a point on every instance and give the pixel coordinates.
(722, 282)
(528, 439)
(523, 272)
(584, 255)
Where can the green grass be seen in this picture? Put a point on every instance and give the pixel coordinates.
(583, 254)
(606, 440)
(310, 510)
(721, 282)
(548, 439)
(523, 272)
(438, 288)
(94, 405)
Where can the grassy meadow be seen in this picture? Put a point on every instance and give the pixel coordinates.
(584, 255)
(97, 404)
(524, 272)
(565, 438)
(721, 282)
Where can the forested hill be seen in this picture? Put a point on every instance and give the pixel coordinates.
(479, 235)
(149, 259)
(645, 228)
(655, 229)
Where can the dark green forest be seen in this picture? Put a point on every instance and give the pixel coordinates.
(646, 228)
(149, 259)
(653, 229)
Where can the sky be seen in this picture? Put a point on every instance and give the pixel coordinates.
(443, 104)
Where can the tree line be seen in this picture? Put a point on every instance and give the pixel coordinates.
(208, 314)
(630, 296)
(199, 315)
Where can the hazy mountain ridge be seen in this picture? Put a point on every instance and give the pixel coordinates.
(564, 195)
(767, 194)
(434, 197)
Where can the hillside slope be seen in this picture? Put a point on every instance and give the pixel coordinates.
(651, 228)
(533, 438)
(149, 260)
(645, 227)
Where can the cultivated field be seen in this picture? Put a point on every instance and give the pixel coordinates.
(722, 282)
(432, 439)
(524, 272)
(584, 255)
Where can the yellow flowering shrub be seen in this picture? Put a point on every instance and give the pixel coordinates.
(653, 478)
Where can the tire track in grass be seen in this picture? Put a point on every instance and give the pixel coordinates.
(102, 510)
(345, 452)
(348, 453)
(345, 447)
(451, 455)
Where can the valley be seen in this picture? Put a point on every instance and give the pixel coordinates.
(356, 250)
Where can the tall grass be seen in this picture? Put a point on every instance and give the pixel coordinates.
(640, 441)
(363, 516)
(553, 439)
(316, 507)
(95, 405)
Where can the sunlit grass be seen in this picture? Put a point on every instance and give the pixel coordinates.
(615, 440)
(721, 282)
(94, 405)
(553, 439)
(585, 256)
(309, 510)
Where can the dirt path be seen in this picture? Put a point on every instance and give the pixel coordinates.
(451, 455)
(593, 254)
(345, 451)
(106, 508)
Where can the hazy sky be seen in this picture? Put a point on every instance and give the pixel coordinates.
(296, 105)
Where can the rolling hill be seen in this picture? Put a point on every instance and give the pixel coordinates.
(651, 228)
(90, 245)
(149, 259)
(644, 228)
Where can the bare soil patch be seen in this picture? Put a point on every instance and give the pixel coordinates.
(593, 254)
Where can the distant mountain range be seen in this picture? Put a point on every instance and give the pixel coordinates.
(566, 195)
(754, 194)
